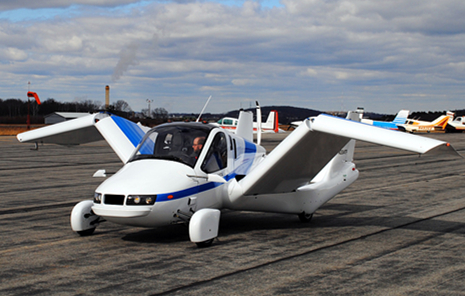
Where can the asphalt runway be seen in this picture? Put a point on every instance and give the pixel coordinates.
(398, 230)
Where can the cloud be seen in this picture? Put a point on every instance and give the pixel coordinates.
(27, 4)
(308, 52)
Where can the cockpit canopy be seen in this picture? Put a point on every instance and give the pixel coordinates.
(181, 142)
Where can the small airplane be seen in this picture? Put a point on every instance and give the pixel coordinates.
(392, 125)
(457, 125)
(439, 124)
(269, 126)
(189, 172)
(400, 118)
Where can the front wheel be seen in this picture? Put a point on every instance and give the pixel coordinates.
(305, 217)
(86, 232)
(205, 244)
(83, 220)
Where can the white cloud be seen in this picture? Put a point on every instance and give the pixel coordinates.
(17, 4)
(308, 52)
(15, 54)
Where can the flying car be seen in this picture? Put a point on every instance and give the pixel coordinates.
(189, 172)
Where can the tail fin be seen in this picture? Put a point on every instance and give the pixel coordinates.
(245, 125)
(276, 122)
(355, 115)
(441, 121)
(272, 121)
(450, 114)
(401, 117)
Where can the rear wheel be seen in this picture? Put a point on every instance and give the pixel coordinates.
(305, 217)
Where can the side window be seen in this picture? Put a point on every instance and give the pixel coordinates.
(217, 155)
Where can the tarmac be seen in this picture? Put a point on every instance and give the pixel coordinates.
(398, 230)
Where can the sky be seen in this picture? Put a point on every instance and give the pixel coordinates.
(331, 55)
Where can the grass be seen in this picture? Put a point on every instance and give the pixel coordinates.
(14, 129)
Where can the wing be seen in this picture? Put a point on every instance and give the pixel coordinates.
(301, 156)
(121, 134)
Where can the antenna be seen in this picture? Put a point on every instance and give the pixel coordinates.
(204, 106)
(259, 123)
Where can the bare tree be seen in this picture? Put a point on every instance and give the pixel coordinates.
(160, 113)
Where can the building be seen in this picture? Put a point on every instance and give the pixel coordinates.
(57, 117)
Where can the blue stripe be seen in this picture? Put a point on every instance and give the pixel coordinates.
(187, 192)
(250, 147)
(250, 150)
(131, 130)
(385, 124)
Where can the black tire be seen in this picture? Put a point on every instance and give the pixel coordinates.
(305, 218)
(205, 244)
(86, 232)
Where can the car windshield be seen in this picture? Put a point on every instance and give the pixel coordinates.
(177, 142)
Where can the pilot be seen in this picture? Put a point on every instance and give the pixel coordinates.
(197, 145)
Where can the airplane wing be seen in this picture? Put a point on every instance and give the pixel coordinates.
(301, 156)
(121, 134)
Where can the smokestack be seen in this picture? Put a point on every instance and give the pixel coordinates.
(107, 96)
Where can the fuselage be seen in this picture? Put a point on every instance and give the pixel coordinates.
(165, 182)
(177, 180)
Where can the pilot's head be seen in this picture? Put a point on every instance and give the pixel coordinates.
(197, 144)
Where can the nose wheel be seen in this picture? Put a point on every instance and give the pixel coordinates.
(83, 220)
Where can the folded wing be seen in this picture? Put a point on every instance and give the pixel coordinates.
(121, 134)
(301, 156)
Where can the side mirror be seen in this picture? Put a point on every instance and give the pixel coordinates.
(215, 178)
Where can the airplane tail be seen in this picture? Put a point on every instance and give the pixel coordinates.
(272, 121)
(441, 121)
(401, 117)
(245, 125)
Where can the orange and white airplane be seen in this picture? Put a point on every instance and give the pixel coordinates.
(457, 125)
(270, 126)
(413, 126)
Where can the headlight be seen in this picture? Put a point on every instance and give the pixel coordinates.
(141, 200)
(97, 197)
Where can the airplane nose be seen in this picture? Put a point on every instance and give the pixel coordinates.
(148, 177)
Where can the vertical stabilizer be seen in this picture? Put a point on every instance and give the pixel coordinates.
(272, 121)
(401, 117)
(245, 125)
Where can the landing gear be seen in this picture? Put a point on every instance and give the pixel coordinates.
(205, 244)
(83, 220)
(86, 232)
(305, 218)
(203, 227)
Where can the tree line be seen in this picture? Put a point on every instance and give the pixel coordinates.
(16, 110)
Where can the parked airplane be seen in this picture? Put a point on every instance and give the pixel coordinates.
(400, 118)
(439, 124)
(456, 125)
(188, 172)
(269, 126)
(392, 125)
